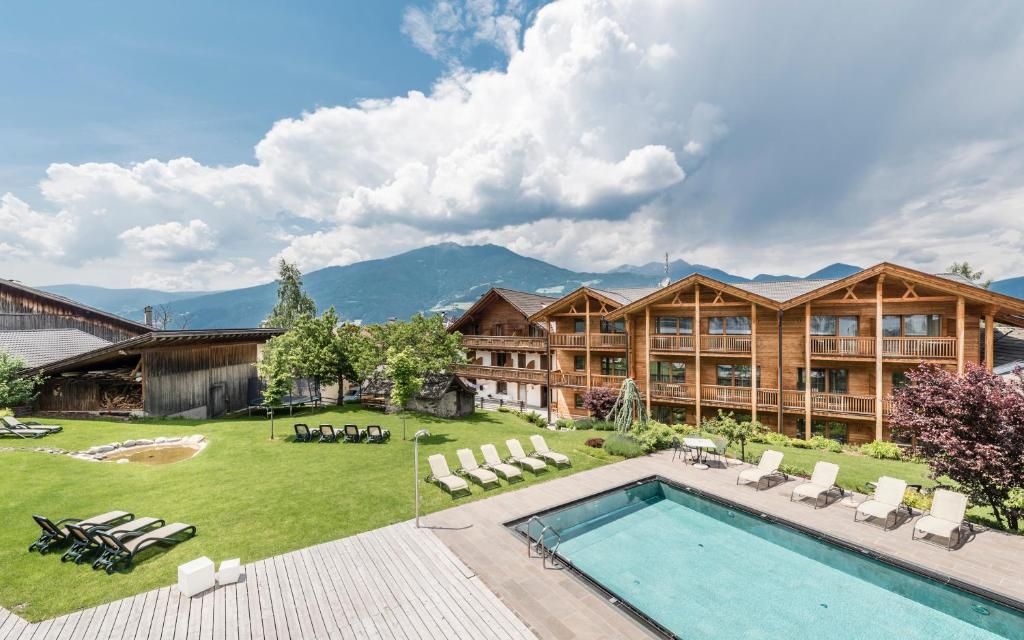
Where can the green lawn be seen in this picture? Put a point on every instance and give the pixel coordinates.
(250, 497)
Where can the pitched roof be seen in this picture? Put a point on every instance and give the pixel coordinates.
(434, 386)
(42, 346)
(1009, 345)
(782, 290)
(625, 295)
(68, 302)
(527, 303)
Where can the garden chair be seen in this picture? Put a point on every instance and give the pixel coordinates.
(14, 423)
(22, 433)
(56, 534)
(822, 483)
(303, 433)
(443, 477)
(377, 435)
(886, 502)
(353, 433)
(945, 518)
(327, 433)
(493, 463)
(85, 541)
(766, 469)
(519, 457)
(123, 549)
(721, 446)
(470, 468)
(541, 450)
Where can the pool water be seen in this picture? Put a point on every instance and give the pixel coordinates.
(700, 569)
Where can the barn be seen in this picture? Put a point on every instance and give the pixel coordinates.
(445, 395)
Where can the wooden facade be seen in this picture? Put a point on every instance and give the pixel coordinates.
(24, 308)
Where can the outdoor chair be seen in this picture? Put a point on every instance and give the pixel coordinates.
(14, 423)
(822, 483)
(124, 549)
(353, 433)
(766, 469)
(377, 435)
(541, 450)
(519, 457)
(303, 433)
(327, 433)
(945, 519)
(443, 477)
(474, 471)
(85, 541)
(886, 502)
(22, 433)
(56, 534)
(492, 462)
(721, 446)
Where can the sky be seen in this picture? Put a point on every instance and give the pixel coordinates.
(192, 145)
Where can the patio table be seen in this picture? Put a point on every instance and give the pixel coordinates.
(700, 444)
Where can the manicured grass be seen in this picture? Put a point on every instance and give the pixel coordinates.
(250, 497)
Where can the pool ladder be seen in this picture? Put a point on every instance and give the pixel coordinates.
(545, 552)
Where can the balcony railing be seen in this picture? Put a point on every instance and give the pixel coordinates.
(725, 344)
(853, 346)
(718, 393)
(607, 341)
(843, 403)
(672, 343)
(525, 343)
(509, 374)
(570, 340)
(612, 382)
(919, 347)
(562, 379)
(672, 391)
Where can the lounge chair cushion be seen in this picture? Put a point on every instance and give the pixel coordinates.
(475, 471)
(442, 474)
(753, 475)
(519, 456)
(165, 531)
(946, 515)
(876, 509)
(494, 463)
(936, 526)
(810, 490)
(542, 451)
(483, 476)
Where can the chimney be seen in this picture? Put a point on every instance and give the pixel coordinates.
(149, 315)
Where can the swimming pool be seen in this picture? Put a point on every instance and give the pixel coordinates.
(695, 567)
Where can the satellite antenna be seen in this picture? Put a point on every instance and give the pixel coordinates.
(666, 279)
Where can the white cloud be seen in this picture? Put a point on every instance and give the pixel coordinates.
(449, 29)
(170, 240)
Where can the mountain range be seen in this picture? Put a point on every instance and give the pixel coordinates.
(444, 277)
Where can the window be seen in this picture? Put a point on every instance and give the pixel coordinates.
(522, 361)
(817, 380)
(579, 326)
(673, 326)
(829, 429)
(915, 325)
(891, 326)
(501, 359)
(577, 400)
(613, 366)
(616, 326)
(668, 415)
(899, 379)
(734, 375)
(828, 325)
(838, 381)
(579, 363)
(502, 387)
(731, 325)
(674, 372)
(849, 325)
(825, 380)
(535, 332)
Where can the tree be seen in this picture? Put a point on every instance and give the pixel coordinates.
(735, 432)
(599, 401)
(434, 348)
(317, 352)
(276, 370)
(405, 374)
(971, 429)
(164, 318)
(629, 407)
(292, 300)
(964, 269)
(15, 389)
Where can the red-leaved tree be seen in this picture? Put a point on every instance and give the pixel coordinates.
(599, 401)
(971, 429)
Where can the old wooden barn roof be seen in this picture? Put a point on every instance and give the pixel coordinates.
(41, 346)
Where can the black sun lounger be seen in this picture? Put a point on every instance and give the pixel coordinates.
(327, 433)
(353, 433)
(14, 423)
(303, 433)
(84, 540)
(56, 534)
(122, 549)
(375, 434)
(22, 433)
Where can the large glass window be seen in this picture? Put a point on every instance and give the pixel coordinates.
(579, 363)
(922, 325)
(673, 326)
(577, 400)
(613, 366)
(579, 326)
(838, 381)
(732, 325)
(849, 325)
(674, 372)
(891, 326)
(835, 325)
(899, 379)
(615, 326)
(501, 359)
(734, 375)
(817, 380)
(825, 380)
(501, 387)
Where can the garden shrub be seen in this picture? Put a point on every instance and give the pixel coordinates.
(656, 435)
(603, 425)
(882, 450)
(625, 446)
(583, 423)
(504, 409)
(801, 444)
(774, 438)
(597, 443)
(562, 423)
(917, 500)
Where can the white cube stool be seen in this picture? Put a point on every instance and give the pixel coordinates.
(230, 571)
(195, 576)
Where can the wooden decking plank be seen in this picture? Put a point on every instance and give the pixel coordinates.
(195, 617)
(322, 593)
(340, 609)
(371, 625)
(108, 620)
(274, 626)
(219, 613)
(310, 593)
(379, 598)
(183, 606)
(418, 623)
(8, 624)
(257, 626)
(362, 624)
(329, 563)
(231, 612)
(37, 631)
(156, 624)
(206, 615)
(71, 621)
(284, 623)
(288, 598)
(93, 624)
(134, 618)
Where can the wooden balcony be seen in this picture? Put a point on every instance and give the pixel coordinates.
(725, 344)
(725, 395)
(504, 343)
(843, 346)
(612, 382)
(842, 403)
(597, 340)
(672, 391)
(672, 343)
(923, 348)
(568, 340)
(562, 379)
(507, 374)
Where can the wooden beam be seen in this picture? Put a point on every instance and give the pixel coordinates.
(878, 355)
(647, 355)
(990, 343)
(960, 334)
(696, 349)
(753, 362)
(807, 371)
(587, 342)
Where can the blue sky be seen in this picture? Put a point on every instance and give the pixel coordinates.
(191, 145)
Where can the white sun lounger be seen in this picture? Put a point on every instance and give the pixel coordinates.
(886, 502)
(767, 467)
(945, 518)
(442, 476)
(520, 458)
(541, 450)
(493, 462)
(822, 483)
(473, 470)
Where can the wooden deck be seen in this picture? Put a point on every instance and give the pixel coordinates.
(395, 582)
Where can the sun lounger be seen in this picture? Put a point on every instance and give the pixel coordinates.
(303, 433)
(822, 483)
(886, 502)
(541, 450)
(442, 476)
(519, 457)
(85, 541)
(22, 433)
(470, 468)
(123, 549)
(375, 434)
(353, 433)
(14, 423)
(945, 518)
(492, 462)
(56, 534)
(766, 469)
(327, 433)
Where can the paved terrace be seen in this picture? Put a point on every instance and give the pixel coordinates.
(466, 576)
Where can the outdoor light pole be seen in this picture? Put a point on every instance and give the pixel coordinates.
(270, 412)
(422, 433)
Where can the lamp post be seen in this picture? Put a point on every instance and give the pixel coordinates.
(270, 413)
(422, 433)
